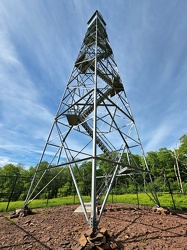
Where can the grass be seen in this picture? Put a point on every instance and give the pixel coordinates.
(179, 199)
(164, 198)
(42, 203)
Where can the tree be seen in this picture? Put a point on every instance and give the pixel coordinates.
(161, 165)
(183, 145)
(182, 155)
(85, 177)
(64, 190)
(11, 182)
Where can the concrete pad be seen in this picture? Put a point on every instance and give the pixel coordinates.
(79, 210)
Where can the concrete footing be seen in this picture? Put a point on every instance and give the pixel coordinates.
(79, 210)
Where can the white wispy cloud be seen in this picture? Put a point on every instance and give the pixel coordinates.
(5, 160)
(164, 133)
(23, 115)
(158, 135)
(26, 113)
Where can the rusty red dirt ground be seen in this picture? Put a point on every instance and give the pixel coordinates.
(59, 228)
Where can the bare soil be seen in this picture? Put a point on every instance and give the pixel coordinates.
(59, 228)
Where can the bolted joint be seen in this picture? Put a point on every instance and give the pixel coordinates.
(93, 223)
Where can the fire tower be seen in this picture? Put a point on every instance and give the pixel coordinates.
(94, 123)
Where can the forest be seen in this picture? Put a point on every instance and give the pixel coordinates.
(168, 169)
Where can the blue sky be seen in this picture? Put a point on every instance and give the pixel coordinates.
(39, 42)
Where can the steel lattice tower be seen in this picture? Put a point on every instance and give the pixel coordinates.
(94, 122)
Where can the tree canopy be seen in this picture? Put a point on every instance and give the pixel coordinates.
(165, 166)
